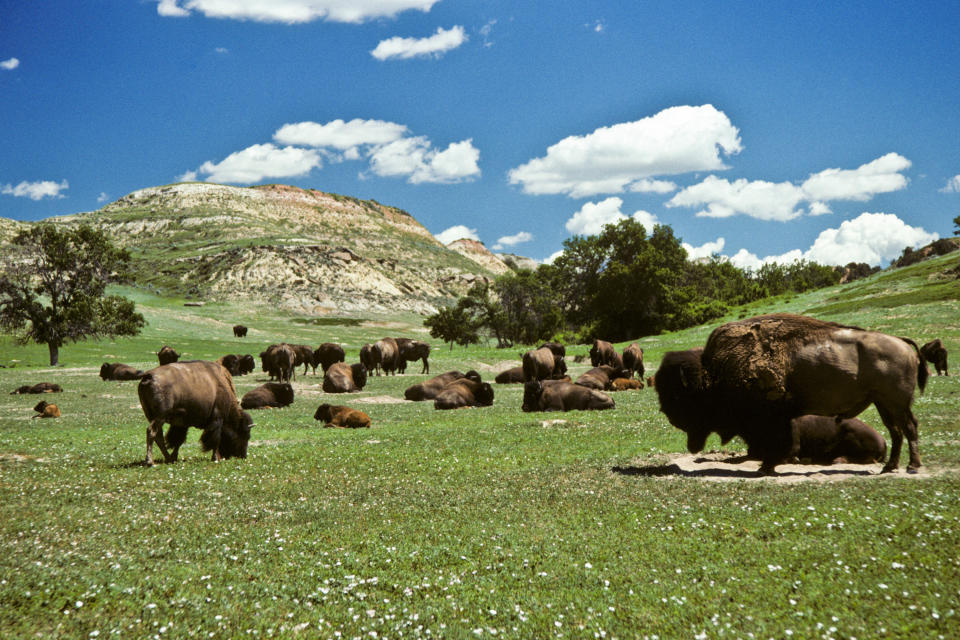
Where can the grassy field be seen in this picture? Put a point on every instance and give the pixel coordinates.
(465, 524)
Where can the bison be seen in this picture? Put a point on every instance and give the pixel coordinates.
(303, 355)
(464, 392)
(193, 394)
(410, 351)
(563, 396)
(40, 387)
(231, 363)
(429, 389)
(633, 359)
(45, 409)
(270, 395)
(602, 352)
(935, 353)
(239, 331)
(341, 417)
(327, 354)
(369, 358)
(166, 355)
(510, 376)
(625, 384)
(831, 440)
(278, 361)
(344, 378)
(600, 378)
(119, 371)
(387, 355)
(542, 363)
(247, 364)
(754, 376)
(558, 349)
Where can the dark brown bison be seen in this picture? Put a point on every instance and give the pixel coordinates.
(625, 384)
(410, 351)
(40, 387)
(602, 352)
(193, 394)
(326, 354)
(166, 355)
(239, 331)
(830, 440)
(633, 359)
(755, 375)
(510, 376)
(563, 396)
(341, 417)
(464, 392)
(370, 359)
(387, 355)
(119, 371)
(231, 363)
(247, 364)
(303, 355)
(270, 395)
(278, 361)
(344, 378)
(558, 349)
(936, 354)
(600, 378)
(541, 364)
(429, 389)
(45, 409)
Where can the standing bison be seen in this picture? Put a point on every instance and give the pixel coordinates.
(633, 359)
(193, 394)
(278, 361)
(344, 378)
(936, 354)
(387, 354)
(542, 363)
(410, 351)
(602, 352)
(327, 354)
(370, 359)
(755, 375)
(166, 355)
(239, 331)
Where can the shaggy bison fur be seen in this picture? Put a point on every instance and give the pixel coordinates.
(341, 417)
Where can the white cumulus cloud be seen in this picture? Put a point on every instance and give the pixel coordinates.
(258, 162)
(416, 159)
(952, 186)
(676, 140)
(757, 199)
(433, 46)
(293, 11)
(553, 257)
(705, 250)
(36, 190)
(515, 239)
(593, 216)
(878, 176)
(339, 134)
(10, 64)
(456, 232)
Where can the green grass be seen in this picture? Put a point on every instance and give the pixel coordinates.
(465, 524)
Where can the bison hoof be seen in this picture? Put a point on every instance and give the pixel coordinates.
(913, 470)
(888, 469)
(767, 470)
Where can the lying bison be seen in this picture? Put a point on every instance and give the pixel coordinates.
(755, 375)
(344, 378)
(239, 331)
(167, 354)
(936, 354)
(828, 440)
(119, 371)
(341, 417)
(600, 378)
(633, 359)
(510, 376)
(411, 351)
(563, 396)
(270, 395)
(327, 354)
(193, 394)
(430, 389)
(40, 387)
(45, 409)
(625, 384)
(541, 364)
(464, 392)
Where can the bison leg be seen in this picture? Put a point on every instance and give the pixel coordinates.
(896, 439)
(176, 436)
(913, 442)
(155, 434)
(426, 366)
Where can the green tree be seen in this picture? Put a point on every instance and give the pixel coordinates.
(453, 325)
(52, 288)
(956, 224)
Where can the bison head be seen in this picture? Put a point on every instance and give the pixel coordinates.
(284, 393)
(235, 436)
(681, 387)
(414, 393)
(323, 413)
(484, 395)
(472, 375)
(595, 359)
(359, 375)
(106, 370)
(531, 395)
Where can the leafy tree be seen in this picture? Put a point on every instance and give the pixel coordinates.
(52, 289)
(454, 325)
(956, 224)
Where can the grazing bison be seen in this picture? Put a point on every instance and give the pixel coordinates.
(247, 364)
(166, 355)
(510, 376)
(936, 353)
(831, 440)
(327, 354)
(193, 394)
(602, 352)
(278, 361)
(464, 392)
(755, 375)
(239, 331)
(600, 378)
(625, 384)
(429, 389)
(387, 354)
(370, 359)
(410, 351)
(40, 387)
(270, 395)
(303, 355)
(542, 363)
(341, 417)
(118, 371)
(633, 359)
(231, 363)
(563, 396)
(344, 378)
(45, 409)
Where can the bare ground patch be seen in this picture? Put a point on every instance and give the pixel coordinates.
(381, 400)
(499, 367)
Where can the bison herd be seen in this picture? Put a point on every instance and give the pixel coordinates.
(789, 386)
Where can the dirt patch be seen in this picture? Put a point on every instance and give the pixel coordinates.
(724, 466)
(381, 400)
(17, 457)
(496, 368)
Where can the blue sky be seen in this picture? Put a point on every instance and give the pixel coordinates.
(774, 130)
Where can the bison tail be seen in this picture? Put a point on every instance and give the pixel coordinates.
(922, 372)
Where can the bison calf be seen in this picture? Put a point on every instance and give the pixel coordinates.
(270, 395)
(46, 410)
(625, 384)
(341, 417)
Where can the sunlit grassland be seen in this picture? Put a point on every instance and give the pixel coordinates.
(472, 523)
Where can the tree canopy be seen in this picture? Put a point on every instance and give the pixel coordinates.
(52, 290)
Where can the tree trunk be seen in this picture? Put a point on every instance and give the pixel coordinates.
(54, 354)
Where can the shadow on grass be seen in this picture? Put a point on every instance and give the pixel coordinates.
(673, 469)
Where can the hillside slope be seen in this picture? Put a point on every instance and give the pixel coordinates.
(303, 250)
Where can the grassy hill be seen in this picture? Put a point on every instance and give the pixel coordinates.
(463, 524)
